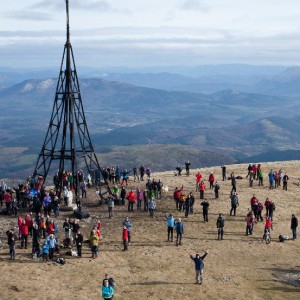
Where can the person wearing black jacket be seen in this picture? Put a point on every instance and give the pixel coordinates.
(142, 172)
(36, 237)
(123, 195)
(79, 241)
(220, 226)
(294, 225)
(205, 206)
(11, 241)
(199, 266)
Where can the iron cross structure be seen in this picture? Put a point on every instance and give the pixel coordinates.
(67, 143)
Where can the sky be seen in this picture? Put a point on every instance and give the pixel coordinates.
(139, 33)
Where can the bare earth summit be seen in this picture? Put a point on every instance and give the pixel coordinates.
(239, 267)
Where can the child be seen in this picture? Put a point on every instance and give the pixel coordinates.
(45, 251)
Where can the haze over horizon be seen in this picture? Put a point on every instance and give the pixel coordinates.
(141, 34)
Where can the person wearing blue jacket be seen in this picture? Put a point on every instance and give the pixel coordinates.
(45, 251)
(199, 266)
(107, 291)
(179, 231)
(171, 225)
(51, 240)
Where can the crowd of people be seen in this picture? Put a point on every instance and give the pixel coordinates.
(40, 225)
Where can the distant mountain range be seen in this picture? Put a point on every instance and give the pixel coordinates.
(228, 125)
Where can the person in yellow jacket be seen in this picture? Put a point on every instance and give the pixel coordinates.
(94, 241)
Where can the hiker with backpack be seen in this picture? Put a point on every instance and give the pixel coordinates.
(199, 266)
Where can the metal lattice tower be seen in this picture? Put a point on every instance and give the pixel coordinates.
(67, 140)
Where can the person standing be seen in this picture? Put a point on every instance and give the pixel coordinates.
(142, 172)
(285, 179)
(128, 225)
(123, 195)
(211, 180)
(220, 226)
(216, 189)
(234, 203)
(198, 180)
(45, 251)
(11, 241)
(107, 291)
(223, 173)
(179, 232)
(152, 206)
(199, 266)
(24, 232)
(233, 183)
(202, 188)
(187, 204)
(94, 242)
(131, 200)
(171, 225)
(111, 205)
(205, 206)
(176, 196)
(125, 237)
(294, 225)
(79, 241)
(187, 167)
(250, 221)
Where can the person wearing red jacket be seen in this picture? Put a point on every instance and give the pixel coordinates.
(254, 205)
(125, 238)
(254, 170)
(268, 226)
(211, 180)
(20, 221)
(198, 180)
(202, 189)
(131, 196)
(29, 223)
(268, 203)
(176, 195)
(24, 232)
(7, 199)
(51, 228)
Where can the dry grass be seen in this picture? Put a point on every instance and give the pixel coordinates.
(239, 266)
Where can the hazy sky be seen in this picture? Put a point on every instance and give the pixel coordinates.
(140, 33)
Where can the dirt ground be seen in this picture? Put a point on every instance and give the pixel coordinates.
(237, 267)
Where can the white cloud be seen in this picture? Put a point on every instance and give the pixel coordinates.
(197, 5)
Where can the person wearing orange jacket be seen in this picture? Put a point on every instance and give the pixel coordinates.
(131, 196)
(176, 195)
(202, 189)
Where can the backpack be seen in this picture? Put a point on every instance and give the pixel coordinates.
(60, 261)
